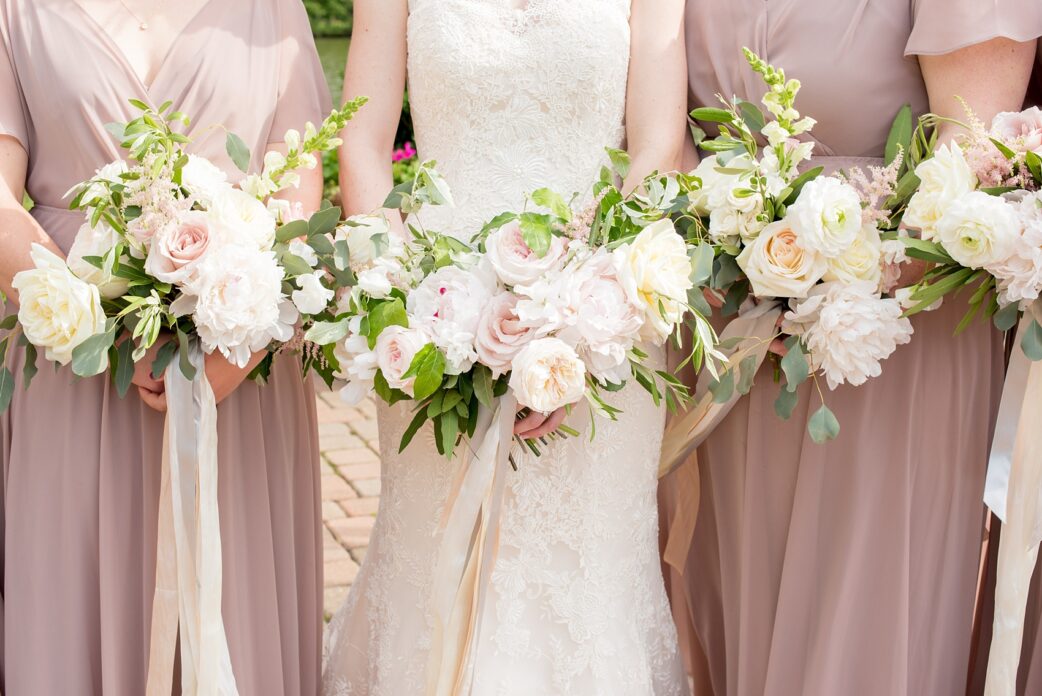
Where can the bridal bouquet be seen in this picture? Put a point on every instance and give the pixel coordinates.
(170, 246)
(824, 248)
(550, 304)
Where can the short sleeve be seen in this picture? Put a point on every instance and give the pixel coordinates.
(303, 92)
(12, 103)
(943, 26)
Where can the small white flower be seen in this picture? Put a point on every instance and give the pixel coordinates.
(313, 296)
(298, 247)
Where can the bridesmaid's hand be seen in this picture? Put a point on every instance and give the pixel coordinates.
(536, 425)
(224, 378)
(149, 388)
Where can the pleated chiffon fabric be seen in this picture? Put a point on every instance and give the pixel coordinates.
(81, 467)
(847, 568)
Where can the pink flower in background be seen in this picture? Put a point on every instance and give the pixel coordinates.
(407, 152)
(1021, 130)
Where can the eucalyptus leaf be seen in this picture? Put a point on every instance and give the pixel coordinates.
(482, 378)
(746, 374)
(753, 117)
(294, 265)
(6, 388)
(702, 264)
(1006, 318)
(1031, 341)
(292, 230)
(449, 426)
(164, 356)
(184, 358)
(91, 357)
(723, 387)
(124, 367)
(823, 425)
(324, 221)
(786, 403)
(29, 368)
(238, 151)
(794, 364)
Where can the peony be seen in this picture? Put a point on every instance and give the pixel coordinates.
(57, 310)
(245, 218)
(357, 363)
(365, 235)
(979, 230)
(97, 241)
(1022, 131)
(514, 262)
(237, 302)
(655, 271)
(848, 330)
(500, 334)
(204, 180)
(778, 266)
(826, 216)
(945, 178)
(313, 296)
(1019, 277)
(547, 375)
(395, 349)
(448, 305)
(178, 249)
(861, 261)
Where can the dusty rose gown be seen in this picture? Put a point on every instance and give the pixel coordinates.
(80, 466)
(847, 569)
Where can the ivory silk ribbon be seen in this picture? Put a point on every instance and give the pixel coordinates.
(756, 326)
(188, 554)
(469, 543)
(1013, 491)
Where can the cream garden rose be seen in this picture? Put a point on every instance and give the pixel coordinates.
(979, 230)
(548, 375)
(57, 310)
(778, 266)
(395, 349)
(826, 216)
(861, 261)
(945, 178)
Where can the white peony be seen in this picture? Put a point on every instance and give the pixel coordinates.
(655, 271)
(861, 261)
(1019, 277)
(204, 180)
(826, 216)
(97, 241)
(395, 349)
(358, 364)
(849, 330)
(548, 375)
(945, 178)
(448, 306)
(246, 219)
(313, 296)
(778, 266)
(57, 310)
(514, 262)
(979, 230)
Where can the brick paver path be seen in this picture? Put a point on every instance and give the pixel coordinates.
(350, 490)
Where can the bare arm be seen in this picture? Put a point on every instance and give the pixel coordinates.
(656, 97)
(376, 68)
(309, 193)
(18, 229)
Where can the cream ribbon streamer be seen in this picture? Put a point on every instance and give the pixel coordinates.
(469, 543)
(188, 555)
(1013, 491)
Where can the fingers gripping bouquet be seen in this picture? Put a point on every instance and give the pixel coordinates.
(549, 304)
(775, 231)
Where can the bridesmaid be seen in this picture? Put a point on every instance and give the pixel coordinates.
(81, 466)
(850, 568)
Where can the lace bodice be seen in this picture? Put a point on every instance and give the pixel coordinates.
(509, 99)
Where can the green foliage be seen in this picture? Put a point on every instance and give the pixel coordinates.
(330, 17)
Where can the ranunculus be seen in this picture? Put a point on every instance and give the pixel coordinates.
(547, 375)
(979, 230)
(313, 296)
(778, 266)
(849, 330)
(448, 305)
(944, 178)
(366, 236)
(247, 219)
(97, 241)
(395, 349)
(203, 180)
(177, 249)
(861, 261)
(514, 262)
(500, 334)
(57, 310)
(655, 271)
(826, 216)
(1021, 131)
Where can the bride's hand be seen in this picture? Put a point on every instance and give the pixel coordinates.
(535, 425)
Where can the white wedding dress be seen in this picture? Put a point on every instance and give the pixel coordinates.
(508, 99)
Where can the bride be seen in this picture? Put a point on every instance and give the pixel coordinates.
(509, 96)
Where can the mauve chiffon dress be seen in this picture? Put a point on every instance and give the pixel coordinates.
(81, 467)
(848, 568)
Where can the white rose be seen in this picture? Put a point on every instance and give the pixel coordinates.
(247, 220)
(861, 261)
(204, 180)
(448, 306)
(97, 241)
(365, 234)
(716, 185)
(826, 216)
(944, 178)
(849, 330)
(395, 349)
(57, 310)
(778, 266)
(730, 226)
(979, 230)
(548, 375)
(655, 271)
(514, 262)
(313, 296)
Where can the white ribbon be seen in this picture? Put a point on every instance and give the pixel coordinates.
(469, 543)
(188, 554)
(1013, 491)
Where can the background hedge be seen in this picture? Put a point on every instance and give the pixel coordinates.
(330, 17)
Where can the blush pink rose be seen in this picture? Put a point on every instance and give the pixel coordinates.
(177, 249)
(1022, 131)
(500, 335)
(395, 349)
(514, 262)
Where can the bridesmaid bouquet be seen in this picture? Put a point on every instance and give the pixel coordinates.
(169, 245)
(823, 249)
(549, 304)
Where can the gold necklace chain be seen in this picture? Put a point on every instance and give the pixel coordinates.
(142, 23)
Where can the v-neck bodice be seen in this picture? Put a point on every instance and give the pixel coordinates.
(248, 66)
